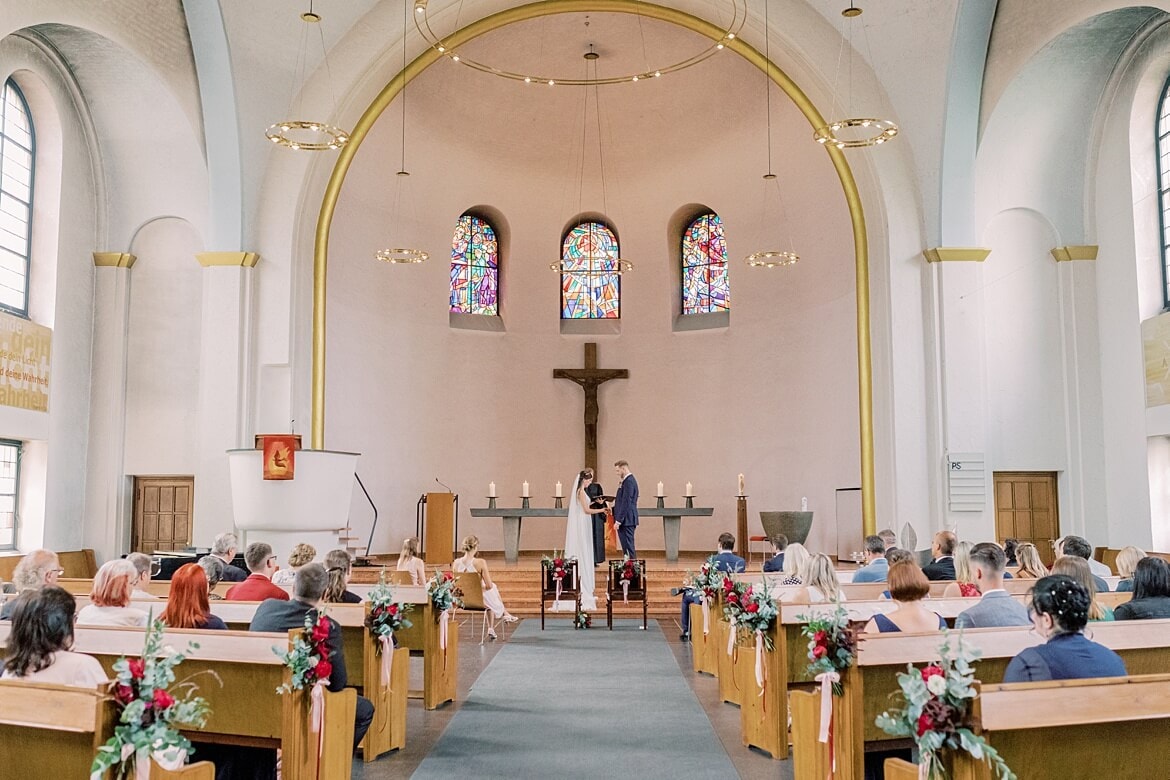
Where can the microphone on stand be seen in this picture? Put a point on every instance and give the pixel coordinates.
(449, 490)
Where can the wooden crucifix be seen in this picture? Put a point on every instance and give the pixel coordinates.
(590, 378)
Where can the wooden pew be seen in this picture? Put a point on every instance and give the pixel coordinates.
(868, 686)
(238, 673)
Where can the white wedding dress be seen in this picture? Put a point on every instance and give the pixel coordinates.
(579, 545)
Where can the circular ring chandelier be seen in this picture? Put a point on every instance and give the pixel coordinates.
(423, 23)
(320, 135)
(879, 131)
(771, 259)
(402, 256)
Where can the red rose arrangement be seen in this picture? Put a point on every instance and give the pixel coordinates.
(832, 643)
(386, 615)
(308, 658)
(630, 570)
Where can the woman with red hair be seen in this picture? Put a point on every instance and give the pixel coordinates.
(187, 605)
(110, 597)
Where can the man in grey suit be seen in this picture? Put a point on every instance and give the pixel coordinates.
(876, 566)
(997, 607)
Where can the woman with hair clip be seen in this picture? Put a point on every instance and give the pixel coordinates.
(338, 566)
(408, 560)
(491, 592)
(1060, 611)
(42, 635)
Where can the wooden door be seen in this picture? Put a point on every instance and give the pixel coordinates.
(1025, 509)
(162, 513)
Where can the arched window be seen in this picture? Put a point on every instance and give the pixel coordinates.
(591, 282)
(705, 287)
(475, 267)
(16, 187)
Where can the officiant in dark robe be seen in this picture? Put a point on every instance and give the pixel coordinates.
(595, 492)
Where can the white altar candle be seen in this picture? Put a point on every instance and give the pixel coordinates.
(741, 485)
(559, 489)
(804, 504)
(524, 491)
(660, 493)
(690, 490)
(491, 490)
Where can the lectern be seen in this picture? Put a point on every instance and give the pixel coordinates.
(435, 526)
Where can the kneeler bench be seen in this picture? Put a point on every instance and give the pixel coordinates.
(238, 673)
(869, 686)
(1115, 727)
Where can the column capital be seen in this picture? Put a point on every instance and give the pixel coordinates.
(1063, 254)
(114, 260)
(942, 254)
(232, 259)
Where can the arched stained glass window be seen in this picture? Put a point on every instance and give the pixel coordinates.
(16, 186)
(591, 282)
(705, 287)
(475, 267)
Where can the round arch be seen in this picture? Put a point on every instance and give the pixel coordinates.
(671, 15)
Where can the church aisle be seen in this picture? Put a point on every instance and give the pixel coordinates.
(580, 704)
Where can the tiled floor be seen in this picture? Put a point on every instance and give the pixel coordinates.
(424, 728)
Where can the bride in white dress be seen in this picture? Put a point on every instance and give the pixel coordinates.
(579, 537)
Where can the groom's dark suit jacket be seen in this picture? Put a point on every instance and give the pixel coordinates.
(625, 502)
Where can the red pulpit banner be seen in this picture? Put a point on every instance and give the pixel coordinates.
(279, 455)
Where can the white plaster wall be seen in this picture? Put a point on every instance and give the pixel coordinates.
(162, 377)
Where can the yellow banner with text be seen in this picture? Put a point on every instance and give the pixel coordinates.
(25, 357)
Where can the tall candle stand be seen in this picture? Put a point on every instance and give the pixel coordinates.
(491, 502)
(524, 502)
(558, 502)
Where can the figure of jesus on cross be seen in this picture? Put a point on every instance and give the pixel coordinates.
(590, 378)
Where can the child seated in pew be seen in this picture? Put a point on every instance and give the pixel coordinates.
(908, 587)
(1060, 611)
(42, 633)
(110, 597)
(188, 606)
(338, 566)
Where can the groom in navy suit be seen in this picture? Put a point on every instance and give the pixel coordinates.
(625, 508)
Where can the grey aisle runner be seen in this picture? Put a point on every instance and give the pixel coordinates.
(567, 704)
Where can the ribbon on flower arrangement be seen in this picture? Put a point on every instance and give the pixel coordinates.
(444, 619)
(706, 614)
(761, 673)
(387, 642)
(827, 681)
(731, 636)
(171, 761)
(625, 591)
(558, 579)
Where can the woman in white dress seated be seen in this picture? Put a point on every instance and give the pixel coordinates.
(301, 555)
(491, 592)
(409, 561)
(110, 597)
(42, 635)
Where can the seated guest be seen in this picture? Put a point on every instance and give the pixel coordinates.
(997, 607)
(889, 538)
(300, 555)
(1030, 563)
(1060, 611)
(213, 570)
(283, 615)
(258, 586)
(142, 563)
(820, 581)
(339, 566)
(110, 597)
(964, 585)
(1078, 570)
(1127, 561)
(187, 606)
(725, 561)
(894, 555)
(35, 570)
(876, 566)
(225, 547)
(491, 591)
(1009, 549)
(1078, 546)
(908, 587)
(408, 560)
(775, 564)
(1151, 591)
(39, 646)
(795, 557)
(942, 564)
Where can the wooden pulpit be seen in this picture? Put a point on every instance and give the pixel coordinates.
(439, 528)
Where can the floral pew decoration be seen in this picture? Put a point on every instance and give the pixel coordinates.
(938, 716)
(734, 595)
(308, 660)
(832, 647)
(629, 571)
(445, 595)
(705, 585)
(557, 567)
(385, 617)
(582, 620)
(756, 617)
(150, 717)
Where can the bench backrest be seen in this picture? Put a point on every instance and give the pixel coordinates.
(55, 728)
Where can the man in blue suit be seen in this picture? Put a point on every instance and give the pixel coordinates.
(725, 561)
(625, 508)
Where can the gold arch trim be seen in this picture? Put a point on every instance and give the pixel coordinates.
(673, 16)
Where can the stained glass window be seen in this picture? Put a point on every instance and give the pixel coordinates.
(705, 287)
(1162, 132)
(475, 267)
(16, 182)
(591, 285)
